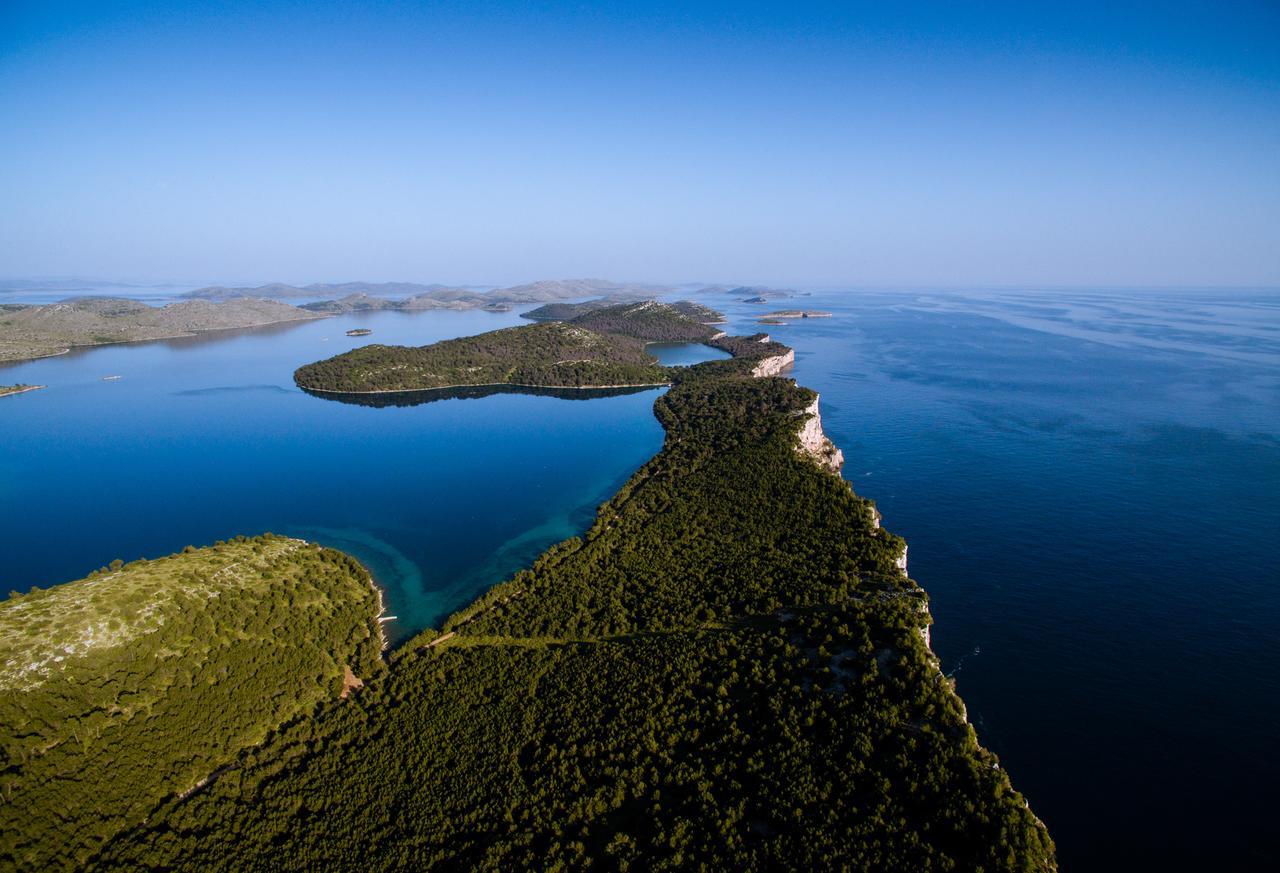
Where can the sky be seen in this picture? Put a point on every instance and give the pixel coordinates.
(843, 145)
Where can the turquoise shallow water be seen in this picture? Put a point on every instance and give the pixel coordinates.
(1088, 483)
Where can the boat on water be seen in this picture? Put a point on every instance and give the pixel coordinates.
(110, 378)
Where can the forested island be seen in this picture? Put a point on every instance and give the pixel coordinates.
(570, 311)
(729, 670)
(793, 313)
(602, 348)
(38, 331)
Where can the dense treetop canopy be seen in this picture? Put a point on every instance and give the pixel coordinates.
(727, 671)
(139, 681)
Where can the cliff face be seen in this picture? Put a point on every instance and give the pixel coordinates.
(774, 365)
(814, 442)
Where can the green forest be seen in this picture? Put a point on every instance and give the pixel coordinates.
(602, 348)
(569, 311)
(552, 354)
(138, 682)
(652, 321)
(727, 671)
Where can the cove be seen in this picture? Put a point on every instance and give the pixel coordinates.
(205, 438)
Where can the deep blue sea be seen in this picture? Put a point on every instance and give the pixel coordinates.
(1089, 483)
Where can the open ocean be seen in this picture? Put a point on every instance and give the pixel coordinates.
(1089, 483)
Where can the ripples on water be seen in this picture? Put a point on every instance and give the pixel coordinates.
(1089, 484)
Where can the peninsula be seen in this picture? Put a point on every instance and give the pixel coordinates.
(37, 331)
(729, 670)
(6, 390)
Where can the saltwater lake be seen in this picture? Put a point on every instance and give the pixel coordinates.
(1088, 483)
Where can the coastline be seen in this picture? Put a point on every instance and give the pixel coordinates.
(23, 390)
(489, 385)
(151, 339)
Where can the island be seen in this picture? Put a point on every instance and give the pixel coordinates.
(38, 331)
(794, 313)
(602, 348)
(730, 669)
(6, 390)
(359, 331)
(570, 311)
(758, 293)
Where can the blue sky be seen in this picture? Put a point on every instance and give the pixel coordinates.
(842, 145)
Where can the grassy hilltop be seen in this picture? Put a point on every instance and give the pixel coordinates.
(139, 681)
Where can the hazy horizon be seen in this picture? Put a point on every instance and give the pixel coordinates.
(74, 283)
(843, 146)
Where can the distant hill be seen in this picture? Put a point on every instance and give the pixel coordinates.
(407, 296)
(752, 291)
(280, 290)
(652, 321)
(41, 330)
(561, 289)
(568, 311)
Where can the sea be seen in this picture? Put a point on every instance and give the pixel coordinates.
(1088, 480)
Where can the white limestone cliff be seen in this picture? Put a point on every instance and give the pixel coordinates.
(774, 365)
(814, 442)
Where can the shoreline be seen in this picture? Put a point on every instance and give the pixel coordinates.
(23, 390)
(151, 339)
(489, 385)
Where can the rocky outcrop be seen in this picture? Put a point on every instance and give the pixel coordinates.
(774, 365)
(814, 442)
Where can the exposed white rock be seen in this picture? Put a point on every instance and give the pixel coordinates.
(774, 365)
(814, 442)
(902, 560)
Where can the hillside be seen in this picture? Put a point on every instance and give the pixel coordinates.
(652, 321)
(569, 311)
(38, 331)
(551, 355)
(755, 292)
(139, 681)
(281, 290)
(730, 670)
